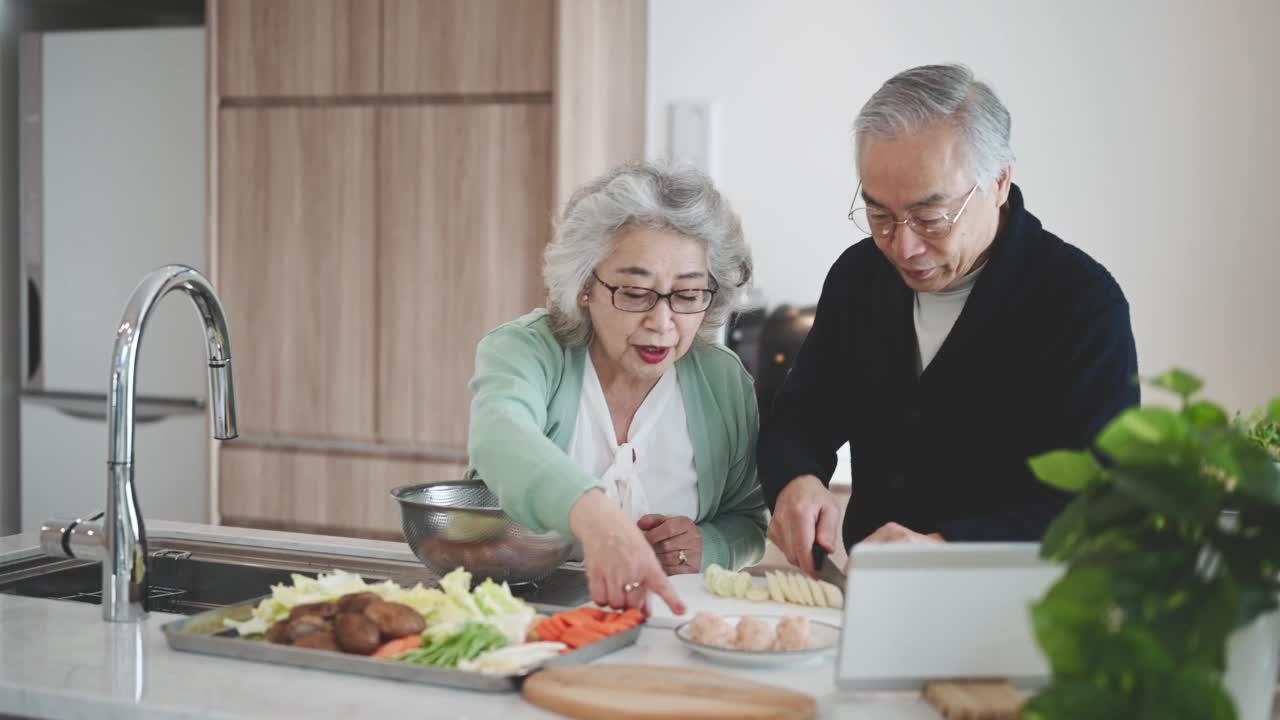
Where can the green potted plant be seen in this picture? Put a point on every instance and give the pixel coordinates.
(1172, 558)
(1264, 430)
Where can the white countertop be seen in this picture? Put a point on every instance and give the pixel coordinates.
(60, 660)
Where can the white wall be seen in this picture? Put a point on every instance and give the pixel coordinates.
(1146, 134)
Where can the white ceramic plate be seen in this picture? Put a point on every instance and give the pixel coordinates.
(825, 637)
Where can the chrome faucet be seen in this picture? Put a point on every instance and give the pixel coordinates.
(121, 541)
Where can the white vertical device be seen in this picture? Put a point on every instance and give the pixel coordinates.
(917, 613)
(695, 136)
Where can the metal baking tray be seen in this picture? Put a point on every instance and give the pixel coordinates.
(205, 633)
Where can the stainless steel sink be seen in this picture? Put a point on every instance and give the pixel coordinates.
(188, 578)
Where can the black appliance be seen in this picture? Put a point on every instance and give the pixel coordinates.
(767, 342)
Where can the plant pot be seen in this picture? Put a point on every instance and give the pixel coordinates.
(1253, 660)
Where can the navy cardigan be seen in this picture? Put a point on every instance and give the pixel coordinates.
(1041, 357)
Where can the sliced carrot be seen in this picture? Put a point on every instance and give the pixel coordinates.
(398, 646)
(549, 631)
(580, 636)
(622, 624)
(575, 619)
(587, 611)
(625, 620)
(587, 624)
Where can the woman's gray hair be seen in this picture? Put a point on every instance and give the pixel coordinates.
(922, 96)
(658, 195)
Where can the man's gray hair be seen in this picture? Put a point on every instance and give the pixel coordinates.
(922, 96)
(658, 195)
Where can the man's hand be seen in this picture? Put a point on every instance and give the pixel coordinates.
(805, 513)
(895, 533)
(676, 540)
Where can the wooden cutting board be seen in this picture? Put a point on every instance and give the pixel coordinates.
(697, 598)
(648, 692)
(975, 699)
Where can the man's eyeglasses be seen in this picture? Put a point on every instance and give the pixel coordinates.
(639, 299)
(931, 223)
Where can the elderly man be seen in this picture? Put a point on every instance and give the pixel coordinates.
(958, 340)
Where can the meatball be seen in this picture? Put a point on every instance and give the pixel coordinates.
(304, 625)
(355, 602)
(395, 620)
(325, 610)
(793, 633)
(754, 635)
(322, 640)
(356, 633)
(711, 629)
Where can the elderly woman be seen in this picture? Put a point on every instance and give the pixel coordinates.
(614, 415)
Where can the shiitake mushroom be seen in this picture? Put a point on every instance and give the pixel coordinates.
(278, 632)
(304, 625)
(395, 620)
(322, 640)
(356, 633)
(357, 623)
(325, 610)
(356, 602)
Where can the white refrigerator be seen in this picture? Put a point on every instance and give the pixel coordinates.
(112, 183)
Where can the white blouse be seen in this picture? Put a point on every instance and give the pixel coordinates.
(653, 472)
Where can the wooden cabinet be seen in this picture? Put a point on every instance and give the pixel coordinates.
(291, 48)
(383, 180)
(600, 88)
(295, 258)
(467, 46)
(464, 217)
(325, 492)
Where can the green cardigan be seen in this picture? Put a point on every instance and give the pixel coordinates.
(524, 404)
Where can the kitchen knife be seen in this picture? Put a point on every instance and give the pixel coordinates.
(827, 568)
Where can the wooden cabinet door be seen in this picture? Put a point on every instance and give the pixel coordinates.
(311, 491)
(465, 212)
(289, 48)
(467, 46)
(601, 48)
(296, 244)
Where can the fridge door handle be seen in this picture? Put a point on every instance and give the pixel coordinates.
(35, 334)
(31, 205)
(91, 406)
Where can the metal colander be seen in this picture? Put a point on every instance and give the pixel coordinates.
(459, 523)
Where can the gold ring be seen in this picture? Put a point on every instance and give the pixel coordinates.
(684, 559)
(632, 586)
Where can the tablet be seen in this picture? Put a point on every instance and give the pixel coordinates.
(916, 613)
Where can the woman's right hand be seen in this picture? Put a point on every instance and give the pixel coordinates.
(621, 566)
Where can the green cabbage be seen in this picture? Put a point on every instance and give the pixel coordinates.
(446, 609)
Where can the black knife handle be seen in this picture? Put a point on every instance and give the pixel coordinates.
(819, 554)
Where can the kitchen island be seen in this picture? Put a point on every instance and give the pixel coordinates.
(59, 659)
